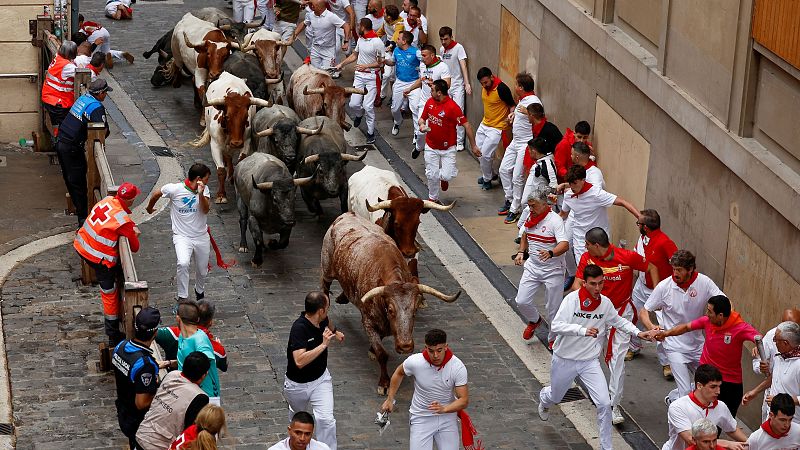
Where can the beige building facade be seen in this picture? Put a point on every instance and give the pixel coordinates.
(694, 108)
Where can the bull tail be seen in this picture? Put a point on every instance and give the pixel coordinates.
(171, 70)
(203, 140)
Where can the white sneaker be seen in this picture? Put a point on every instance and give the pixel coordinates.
(616, 416)
(395, 129)
(414, 142)
(544, 413)
(460, 147)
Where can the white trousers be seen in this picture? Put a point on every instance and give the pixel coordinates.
(184, 247)
(616, 365)
(440, 428)
(562, 372)
(285, 29)
(640, 295)
(457, 93)
(399, 101)
(439, 165)
(266, 11)
(323, 57)
(417, 101)
(533, 279)
(316, 395)
(386, 81)
(683, 367)
(511, 173)
(364, 105)
(243, 10)
(487, 139)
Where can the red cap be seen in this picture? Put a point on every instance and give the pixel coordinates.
(127, 191)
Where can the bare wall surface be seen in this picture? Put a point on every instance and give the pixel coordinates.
(644, 16)
(777, 110)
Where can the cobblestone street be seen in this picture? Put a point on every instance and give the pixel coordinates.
(53, 324)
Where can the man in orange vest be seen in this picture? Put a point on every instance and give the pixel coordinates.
(97, 242)
(57, 89)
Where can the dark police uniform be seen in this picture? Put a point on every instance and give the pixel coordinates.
(136, 372)
(70, 148)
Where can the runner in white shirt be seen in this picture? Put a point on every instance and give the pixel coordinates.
(701, 404)
(785, 376)
(586, 204)
(454, 55)
(681, 298)
(375, 13)
(300, 430)
(777, 432)
(369, 54)
(414, 23)
(189, 206)
(431, 69)
(440, 394)
(546, 243)
(323, 26)
(770, 351)
(344, 11)
(579, 326)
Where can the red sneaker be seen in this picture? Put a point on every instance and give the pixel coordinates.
(444, 184)
(528, 333)
(550, 345)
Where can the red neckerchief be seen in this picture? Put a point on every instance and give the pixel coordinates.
(451, 45)
(793, 353)
(220, 262)
(188, 185)
(586, 187)
(534, 220)
(526, 94)
(686, 285)
(697, 402)
(448, 355)
(587, 302)
(538, 127)
(768, 429)
(495, 82)
(734, 319)
(379, 14)
(589, 165)
(370, 34)
(438, 60)
(93, 69)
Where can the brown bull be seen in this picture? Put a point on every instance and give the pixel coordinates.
(376, 278)
(312, 92)
(212, 52)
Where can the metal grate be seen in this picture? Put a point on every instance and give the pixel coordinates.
(364, 148)
(572, 395)
(6, 429)
(161, 151)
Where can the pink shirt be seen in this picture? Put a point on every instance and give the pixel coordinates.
(723, 346)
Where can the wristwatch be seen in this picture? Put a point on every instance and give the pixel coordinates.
(550, 252)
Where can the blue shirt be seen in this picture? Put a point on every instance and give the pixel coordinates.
(199, 342)
(407, 63)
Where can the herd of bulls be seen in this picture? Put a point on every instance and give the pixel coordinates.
(267, 149)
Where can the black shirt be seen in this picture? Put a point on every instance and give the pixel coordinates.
(136, 372)
(551, 135)
(306, 335)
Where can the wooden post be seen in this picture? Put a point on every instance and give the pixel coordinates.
(96, 131)
(135, 294)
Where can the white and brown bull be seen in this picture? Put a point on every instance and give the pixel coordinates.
(312, 92)
(229, 111)
(375, 278)
(269, 48)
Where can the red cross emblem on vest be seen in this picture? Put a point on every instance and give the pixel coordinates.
(99, 215)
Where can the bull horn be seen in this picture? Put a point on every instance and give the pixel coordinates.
(261, 186)
(234, 45)
(386, 204)
(306, 180)
(248, 46)
(188, 43)
(311, 159)
(163, 54)
(215, 102)
(256, 25)
(352, 90)
(307, 91)
(374, 292)
(346, 157)
(274, 80)
(265, 133)
(260, 102)
(225, 27)
(425, 289)
(283, 43)
(435, 206)
(309, 131)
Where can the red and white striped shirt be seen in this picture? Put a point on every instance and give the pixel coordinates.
(545, 235)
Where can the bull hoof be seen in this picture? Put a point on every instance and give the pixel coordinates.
(220, 200)
(243, 250)
(256, 265)
(382, 391)
(342, 299)
(422, 304)
(203, 123)
(371, 355)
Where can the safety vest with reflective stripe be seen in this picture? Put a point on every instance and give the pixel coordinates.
(97, 239)
(58, 91)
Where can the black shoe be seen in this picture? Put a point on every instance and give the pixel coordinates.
(370, 138)
(504, 209)
(357, 121)
(494, 177)
(199, 295)
(517, 240)
(415, 153)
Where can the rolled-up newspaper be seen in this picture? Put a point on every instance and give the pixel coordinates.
(759, 340)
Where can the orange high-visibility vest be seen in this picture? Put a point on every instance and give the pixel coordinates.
(97, 239)
(58, 91)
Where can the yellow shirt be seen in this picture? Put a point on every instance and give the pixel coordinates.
(495, 110)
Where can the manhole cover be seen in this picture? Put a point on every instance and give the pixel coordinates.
(162, 151)
(6, 429)
(364, 148)
(572, 395)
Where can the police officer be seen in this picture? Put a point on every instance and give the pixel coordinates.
(136, 373)
(97, 243)
(71, 140)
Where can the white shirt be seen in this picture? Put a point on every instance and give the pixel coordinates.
(522, 129)
(313, 445)
(595, 176)
(188, 219)
(322, 28)
(369, 50)
(453, 58)
(571, 323)
(422, 18)
(545, 236)
(588, 210)
(377, 23)
(786, 380)
(683, 412)
(678, 307)
(760, 440)
(547, 163)
(769, 349)
(338, 8)
(432, 384)
(435, 72)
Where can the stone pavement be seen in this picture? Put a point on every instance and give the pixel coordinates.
(53, 323)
